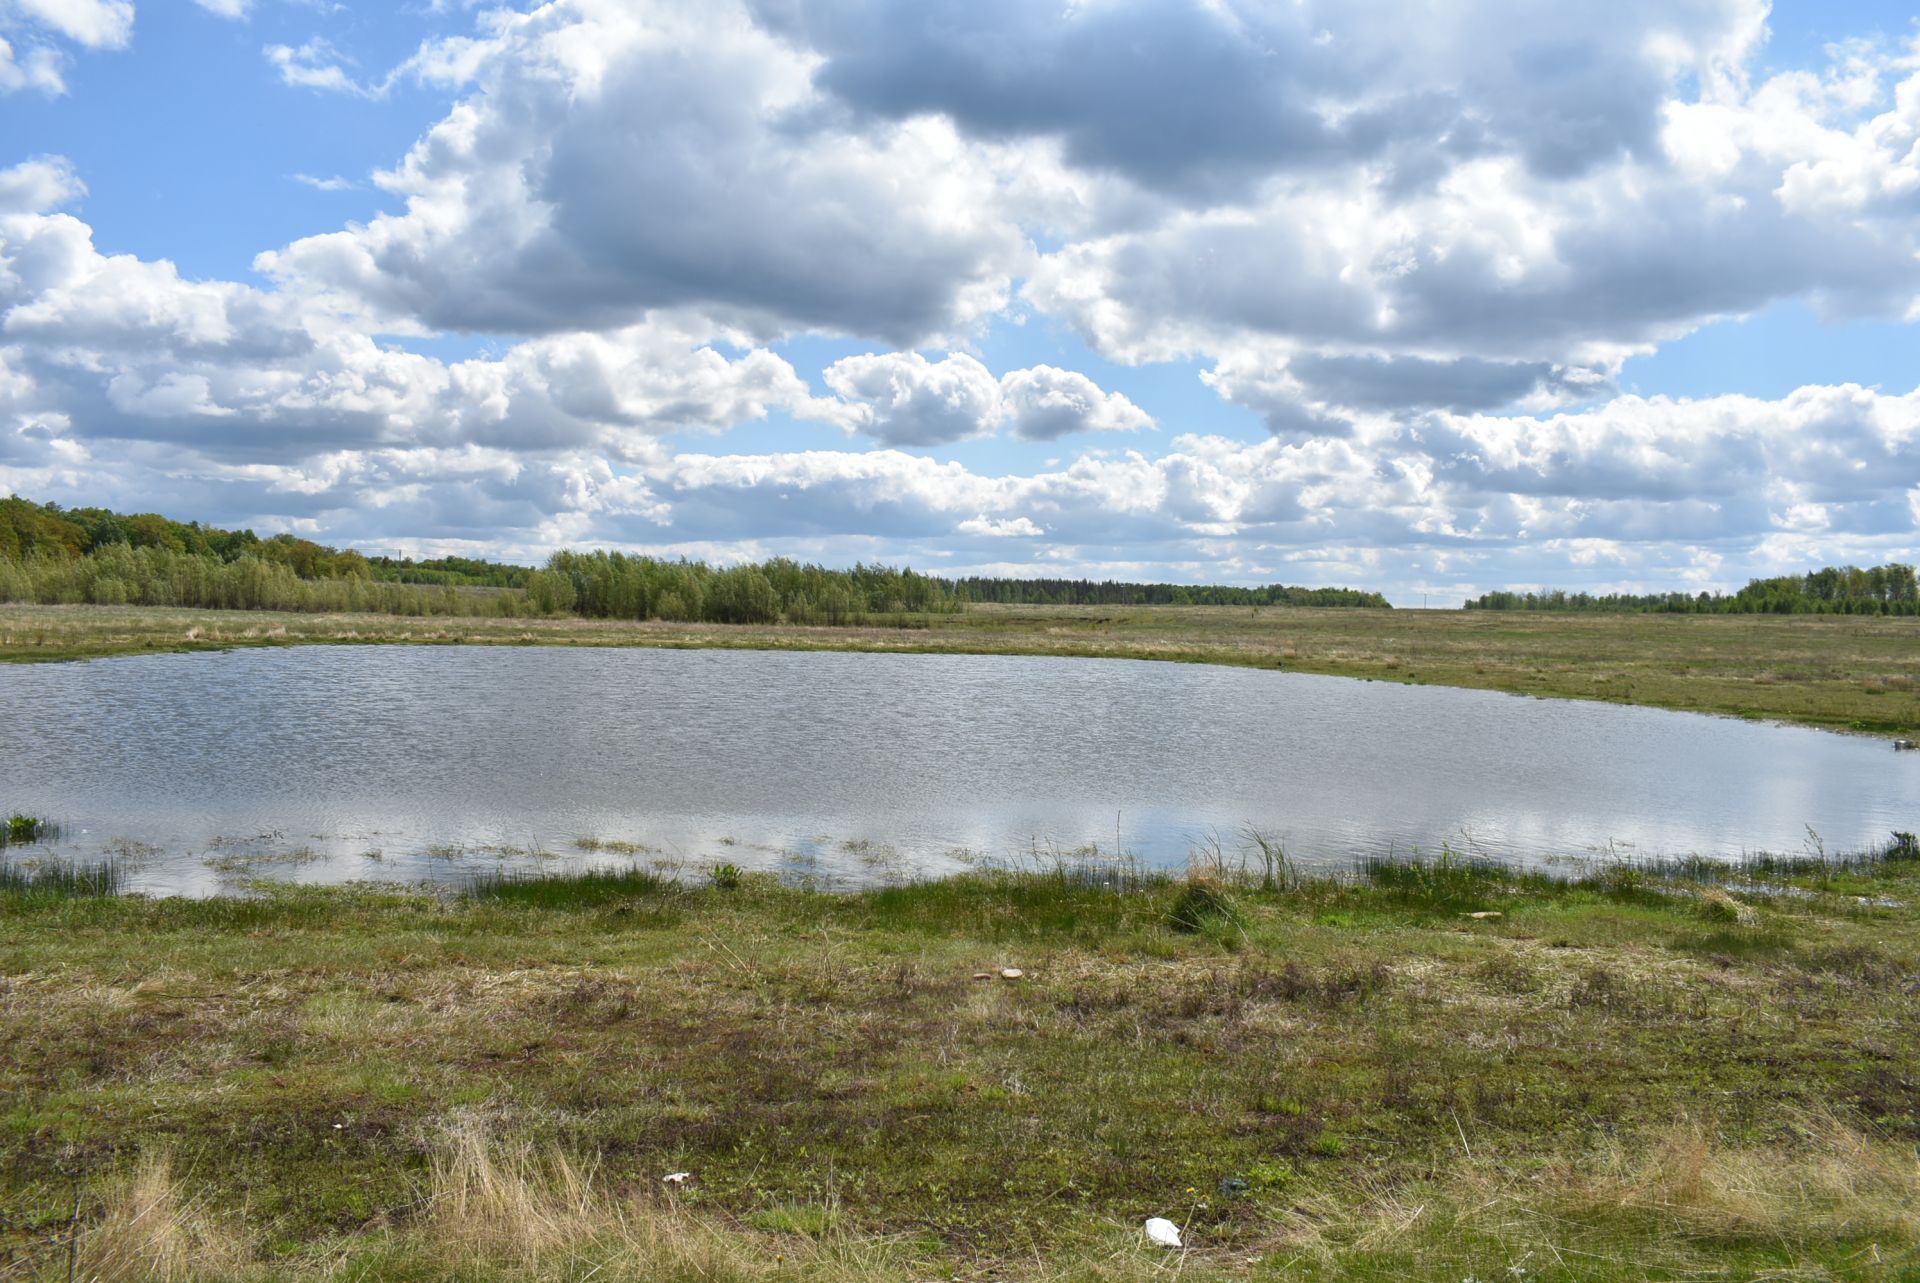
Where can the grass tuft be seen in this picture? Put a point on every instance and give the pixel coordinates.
(151, 1232)
(1203, 903)
(587, 889)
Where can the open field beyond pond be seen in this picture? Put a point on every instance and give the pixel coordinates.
(1848, 672)
(1420, 1073)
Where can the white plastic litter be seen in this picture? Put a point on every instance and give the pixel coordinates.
(676, 1178)
(1163, 1231)
(1011, 973)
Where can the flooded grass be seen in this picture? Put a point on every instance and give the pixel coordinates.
(60, 880)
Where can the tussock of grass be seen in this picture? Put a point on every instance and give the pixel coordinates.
(1203, 903)
(1447, 883)
(1717, 906)
(151, 1231)
(1073, 902)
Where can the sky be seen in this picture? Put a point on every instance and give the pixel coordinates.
(1427, 298)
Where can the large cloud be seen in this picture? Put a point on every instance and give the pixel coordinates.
(1489, 265)
(1047, 403)
(1485, 207)
(1204, 97)
(120, 348)
(615, 159)
(904, 399)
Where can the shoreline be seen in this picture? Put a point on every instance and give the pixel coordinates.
(1254, 860)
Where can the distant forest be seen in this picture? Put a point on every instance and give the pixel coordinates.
(56, 555)
(1085, 592)
(1834, 590)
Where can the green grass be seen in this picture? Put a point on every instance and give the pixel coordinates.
(590, 888)
(1618, 1077)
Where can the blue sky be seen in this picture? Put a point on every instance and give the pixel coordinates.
(1232, 292)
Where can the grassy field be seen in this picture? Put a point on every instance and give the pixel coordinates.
(1847, 672)
(1424, 1072)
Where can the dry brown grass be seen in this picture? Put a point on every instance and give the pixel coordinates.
(497, 1205)
(500, 1211)
(1828, 1179)
(496, 1210)
(494, 1207)
(1717, 906)
(1656, 1204)
(152, 1232)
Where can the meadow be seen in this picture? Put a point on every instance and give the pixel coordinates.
(1846, 672)
(1425, 1071)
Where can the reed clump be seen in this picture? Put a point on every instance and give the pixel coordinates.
(61, 880)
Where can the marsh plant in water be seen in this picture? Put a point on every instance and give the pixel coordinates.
(21, 829)
(59, 880)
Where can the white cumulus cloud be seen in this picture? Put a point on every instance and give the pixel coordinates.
(597, 170)
(904, 399)
(30, 58)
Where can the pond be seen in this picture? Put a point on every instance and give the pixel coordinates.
(405, 763)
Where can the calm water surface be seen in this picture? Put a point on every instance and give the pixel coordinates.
(337, 763)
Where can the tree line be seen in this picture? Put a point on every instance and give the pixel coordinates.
(27, 529)
(1109, 592)
(122, 575)
(612, 585)
(1832, 590)
(54, 555)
